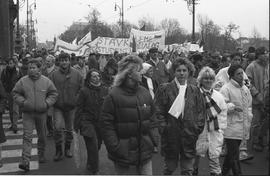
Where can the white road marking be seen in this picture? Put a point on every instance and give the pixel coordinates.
(16, 153)
(10, 142)
(20, 132)
(14, 167)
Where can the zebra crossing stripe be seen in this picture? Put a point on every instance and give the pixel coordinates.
(16, 153)
(14, 167)
(6, 126)
(7, 121)
(11, 153)
(19, 133)
(17, 142)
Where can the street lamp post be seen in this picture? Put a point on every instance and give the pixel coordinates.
(18, 40)
(191, 7)
(193, 21)
(27, 21)
(27, 25)
(121, 16)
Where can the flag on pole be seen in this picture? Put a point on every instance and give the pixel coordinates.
(74, 42)
(86, 39)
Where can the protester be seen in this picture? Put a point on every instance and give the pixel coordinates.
(258, 73)
(222, 76)
(34, 93)
(225, 61)
(238, 99)
(116, 56)
(87, 116)
(109, 72)
(81, 67)
(251, 55)
(161, 74)
(9, 77)
(92, 61)
(102, 61)
(2, 109)
(68, 82)
(50, 67)
(151, 86)
(180, 109)
(267, 111)
(197, 62)
(167, 59)
(126, 120)
(24, 68)
(211, 139)
(73, 60)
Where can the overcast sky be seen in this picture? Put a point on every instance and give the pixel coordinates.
(54, 16)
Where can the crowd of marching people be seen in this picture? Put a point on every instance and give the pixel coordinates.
(183, 106)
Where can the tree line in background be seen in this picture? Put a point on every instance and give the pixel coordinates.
(213, 36)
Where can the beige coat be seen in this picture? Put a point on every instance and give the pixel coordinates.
(238, 123)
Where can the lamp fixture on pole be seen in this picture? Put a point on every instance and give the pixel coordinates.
(121, 16)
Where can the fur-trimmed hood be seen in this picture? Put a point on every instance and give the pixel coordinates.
(126, 66)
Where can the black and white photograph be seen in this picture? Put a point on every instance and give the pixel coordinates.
(134, 87)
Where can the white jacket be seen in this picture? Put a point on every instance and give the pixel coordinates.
(238, 123)
(212, 140)
(222, 78)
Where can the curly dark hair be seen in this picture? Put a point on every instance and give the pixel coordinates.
(183, 61)
(232, 69)
(63, 56)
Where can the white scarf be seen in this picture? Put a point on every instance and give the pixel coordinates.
(178, 105)
(150, 86)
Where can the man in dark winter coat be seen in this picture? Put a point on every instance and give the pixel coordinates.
(68, 82)
(9, 78)
(181, 112)
(126, 119)
(161, 74)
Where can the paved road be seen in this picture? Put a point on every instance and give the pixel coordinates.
(258, 166)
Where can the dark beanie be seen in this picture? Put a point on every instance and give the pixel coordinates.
(251, 49)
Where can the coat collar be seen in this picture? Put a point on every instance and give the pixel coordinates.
(236, 84)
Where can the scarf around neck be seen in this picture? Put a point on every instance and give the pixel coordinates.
(212, 109)
(178, 106)
(150, 86)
